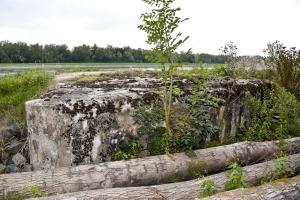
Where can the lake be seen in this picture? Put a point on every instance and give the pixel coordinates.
(73, 67)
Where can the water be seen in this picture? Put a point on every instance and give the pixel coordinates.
(73, 67)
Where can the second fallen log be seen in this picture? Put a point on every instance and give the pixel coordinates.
(144, 171)
(188, 190)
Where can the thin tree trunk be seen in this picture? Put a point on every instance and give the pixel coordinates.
(144, 171)
(188, 190)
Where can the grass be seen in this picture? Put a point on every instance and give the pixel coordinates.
(15, 90)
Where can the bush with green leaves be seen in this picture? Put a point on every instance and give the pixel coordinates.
(126, 152)
(190, 122)
(148, 118)
(274, 116)
(283, 65)
(231, 67)
(237, 175)
(208, 188)
(283, 168)
(149, 121)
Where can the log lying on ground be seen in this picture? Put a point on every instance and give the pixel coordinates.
(282, 189)
(182, 190)
(144, 171)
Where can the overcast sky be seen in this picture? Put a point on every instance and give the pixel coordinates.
(251, 24)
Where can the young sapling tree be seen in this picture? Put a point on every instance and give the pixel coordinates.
(160, 25)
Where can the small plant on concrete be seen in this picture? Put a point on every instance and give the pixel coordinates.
(160, 25)
(208, 188)
(237, 175)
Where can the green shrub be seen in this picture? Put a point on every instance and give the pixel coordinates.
(274, 116)
(208, 188)
(294, 127)
(190, 122)
(283, 168)
(218, 70)
(236, 174)
(155, 146)
(15, 90)
(148, 119)
(284, 65)
(34, 191)
(231, 67)
(126, 152)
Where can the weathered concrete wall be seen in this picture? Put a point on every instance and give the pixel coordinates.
(233, 114)
(80, 125)
(84, 123)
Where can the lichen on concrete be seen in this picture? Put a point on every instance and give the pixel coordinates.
(84, 122)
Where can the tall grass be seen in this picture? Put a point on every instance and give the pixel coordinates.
(15, 90)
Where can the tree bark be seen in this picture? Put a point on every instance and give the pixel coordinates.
(144, 171)
(283, 189)
(188, 190)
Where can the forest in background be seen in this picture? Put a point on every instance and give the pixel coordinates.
(22, 52)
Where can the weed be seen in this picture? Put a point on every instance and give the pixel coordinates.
(236, 174)
(34, 191)
(208, 188)
(283, 65)
(15, 90)
(127, 152)
(155, 146)
(283, 168)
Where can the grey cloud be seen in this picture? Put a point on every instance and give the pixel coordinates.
(34, 14)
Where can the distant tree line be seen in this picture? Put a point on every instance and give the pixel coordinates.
(22, 52)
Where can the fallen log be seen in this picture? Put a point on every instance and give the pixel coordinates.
(281, 189)
(188, 190)
(144, 171)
